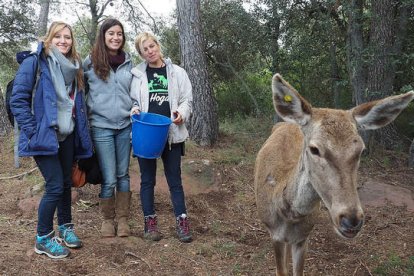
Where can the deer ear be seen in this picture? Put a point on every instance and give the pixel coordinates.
(376, 114)
(288, 103)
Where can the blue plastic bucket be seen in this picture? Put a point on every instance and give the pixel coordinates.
(149, 134)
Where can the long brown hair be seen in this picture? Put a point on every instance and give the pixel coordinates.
(100, 54)
(54, 28)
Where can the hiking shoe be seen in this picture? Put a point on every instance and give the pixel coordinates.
(67, 234)
(183, 228)
(51, 246)
(151, 228)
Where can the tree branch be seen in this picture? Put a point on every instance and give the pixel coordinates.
(18, 175)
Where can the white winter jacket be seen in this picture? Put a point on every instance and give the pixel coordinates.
(179, 93)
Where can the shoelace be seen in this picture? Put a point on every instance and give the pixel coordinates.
(152, 225)
(69, 235)
(55, 244)
(184, 225)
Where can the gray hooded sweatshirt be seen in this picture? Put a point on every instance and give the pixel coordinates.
(109, 102)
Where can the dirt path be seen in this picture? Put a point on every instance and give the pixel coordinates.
(379, 194)
(192, 184)
(228, 238)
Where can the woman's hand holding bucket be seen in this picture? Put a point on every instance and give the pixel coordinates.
(134, 110)
(178, 119)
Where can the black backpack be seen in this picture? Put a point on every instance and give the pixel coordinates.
(9, 90)
(91, 168)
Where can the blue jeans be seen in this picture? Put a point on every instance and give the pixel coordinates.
(113, 149)
(57, 172)
(172, 170)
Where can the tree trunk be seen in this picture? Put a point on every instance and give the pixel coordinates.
(274, 26)
(371, 68)
(381, 72)
(411, 156)
(43, 17)
(204, 122)
(335, 75)
(94, 21)
(355, 50)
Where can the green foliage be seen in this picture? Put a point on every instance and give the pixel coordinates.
(226, 249)
(405, 122)
(80, 29)
(395, 265)
(308, 56)
(170, 43)
(247, 94)
(246, 129)
(16, 31)
(231, 38)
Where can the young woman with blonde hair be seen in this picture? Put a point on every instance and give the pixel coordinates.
(54, 130)
(161, 87)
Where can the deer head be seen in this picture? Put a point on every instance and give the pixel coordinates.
(332, 148)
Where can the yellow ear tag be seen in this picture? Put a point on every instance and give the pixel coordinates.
(287, 98)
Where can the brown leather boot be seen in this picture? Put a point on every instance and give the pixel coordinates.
(123, 200)
(108, 213)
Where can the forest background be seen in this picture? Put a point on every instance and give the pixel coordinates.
(335, 53)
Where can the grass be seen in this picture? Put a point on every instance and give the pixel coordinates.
(395, 265)
(226, 248)
(205, 250)
(247, 135)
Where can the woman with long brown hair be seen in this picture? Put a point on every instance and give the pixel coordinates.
(54, 130)
(107, 71)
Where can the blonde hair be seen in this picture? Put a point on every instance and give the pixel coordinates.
(142, 37)
(54, 28)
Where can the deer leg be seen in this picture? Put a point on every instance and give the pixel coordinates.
(280, 256)
(298, 257)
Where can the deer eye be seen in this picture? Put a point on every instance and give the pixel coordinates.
(314, 150)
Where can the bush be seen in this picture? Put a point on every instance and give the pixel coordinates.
(249, 94)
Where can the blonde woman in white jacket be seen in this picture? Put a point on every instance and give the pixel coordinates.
(160, 87)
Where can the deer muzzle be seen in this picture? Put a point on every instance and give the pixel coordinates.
(350, 225)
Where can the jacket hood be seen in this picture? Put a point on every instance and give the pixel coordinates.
(20, 56)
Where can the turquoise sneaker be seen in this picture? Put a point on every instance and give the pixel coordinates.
(67, 234)
(51, 246)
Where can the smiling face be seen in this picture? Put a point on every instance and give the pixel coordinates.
(113, 39)
(63, 40)
(150, 51)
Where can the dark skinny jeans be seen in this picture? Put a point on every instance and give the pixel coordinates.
(57, 172)
(172, 170)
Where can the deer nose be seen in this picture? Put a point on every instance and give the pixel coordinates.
(351, 224)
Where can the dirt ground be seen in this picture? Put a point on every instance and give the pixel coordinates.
(228, 238)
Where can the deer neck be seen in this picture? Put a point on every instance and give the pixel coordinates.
(303, 197)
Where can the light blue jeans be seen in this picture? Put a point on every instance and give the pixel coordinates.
(113, 148)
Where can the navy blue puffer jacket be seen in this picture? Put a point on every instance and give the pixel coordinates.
(38, 127)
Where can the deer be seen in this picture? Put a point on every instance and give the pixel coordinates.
(310, 158)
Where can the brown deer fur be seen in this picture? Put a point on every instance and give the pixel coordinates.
(311, 157)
